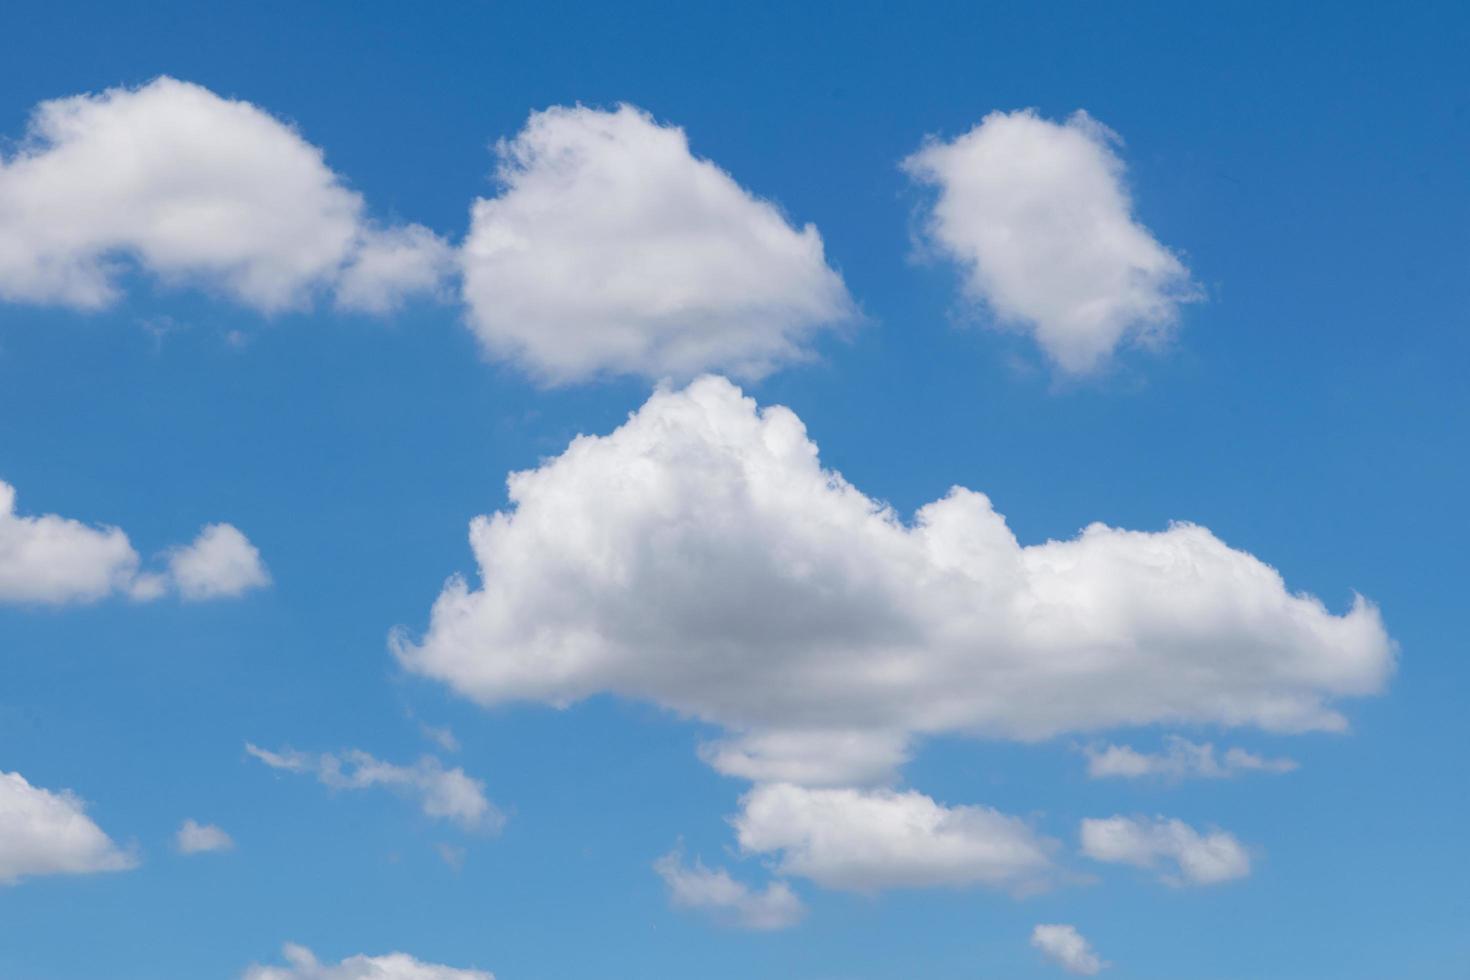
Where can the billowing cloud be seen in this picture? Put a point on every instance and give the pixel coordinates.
(871, 840)
(1179, 853)
(1039, 218)
(1180, 759)
(47, 559)
(220, 562)
(1066, 947)
(713, 891)
(192, 189)
(200, 838)
(700, 558)
(303, 965)
(49, 833)
(444, 794)
(611, 249)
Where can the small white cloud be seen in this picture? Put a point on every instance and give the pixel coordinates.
(56, 560)
(201, 838)
(1065, 946)
(611, 249)
(193, 189)
(810, 758)
(869, 841)
(221, 562)
(1180, 853)
(303, 965)
(1039, 217)
(445, 794)
(730, 901)
(1181, 759)
(392, 265)
(48, 833)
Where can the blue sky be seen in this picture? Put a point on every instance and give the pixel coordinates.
(1305, 167)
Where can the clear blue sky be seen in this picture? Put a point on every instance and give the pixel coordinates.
(1310, 164)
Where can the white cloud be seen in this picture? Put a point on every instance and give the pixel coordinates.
(701, 559)
(51, 559)
(714, 891)
(867, 841)
(1039, 217)
(1065, 946)
(47, 833)
(810, 758)
(612, 249)
(1181, 759)
(193, 189)
(201, 838)
(389, 265)
(56, 560)
(1187, 856)
(445, 794)
(221, 562)
(303, 965)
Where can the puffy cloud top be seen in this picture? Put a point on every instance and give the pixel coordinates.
(193, 188)
(1039, 217)
(700, 558)
(46, 833)
(303, 965)
(612, 249)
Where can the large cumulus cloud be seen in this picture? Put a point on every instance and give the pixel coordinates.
(700, 558)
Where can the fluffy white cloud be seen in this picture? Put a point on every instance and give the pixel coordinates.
(1181, 759)
(700, 558)
(390, 265)
(46, 833)
(56, 560)
(870, 840)
(1039, 217)
(612, 249)
(1066, 947)
(191, 188)
(714, 891)
(51, 559)
(220, 562)
(200, 838)
(1182, 854)
(445, 794)
(302, 965)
